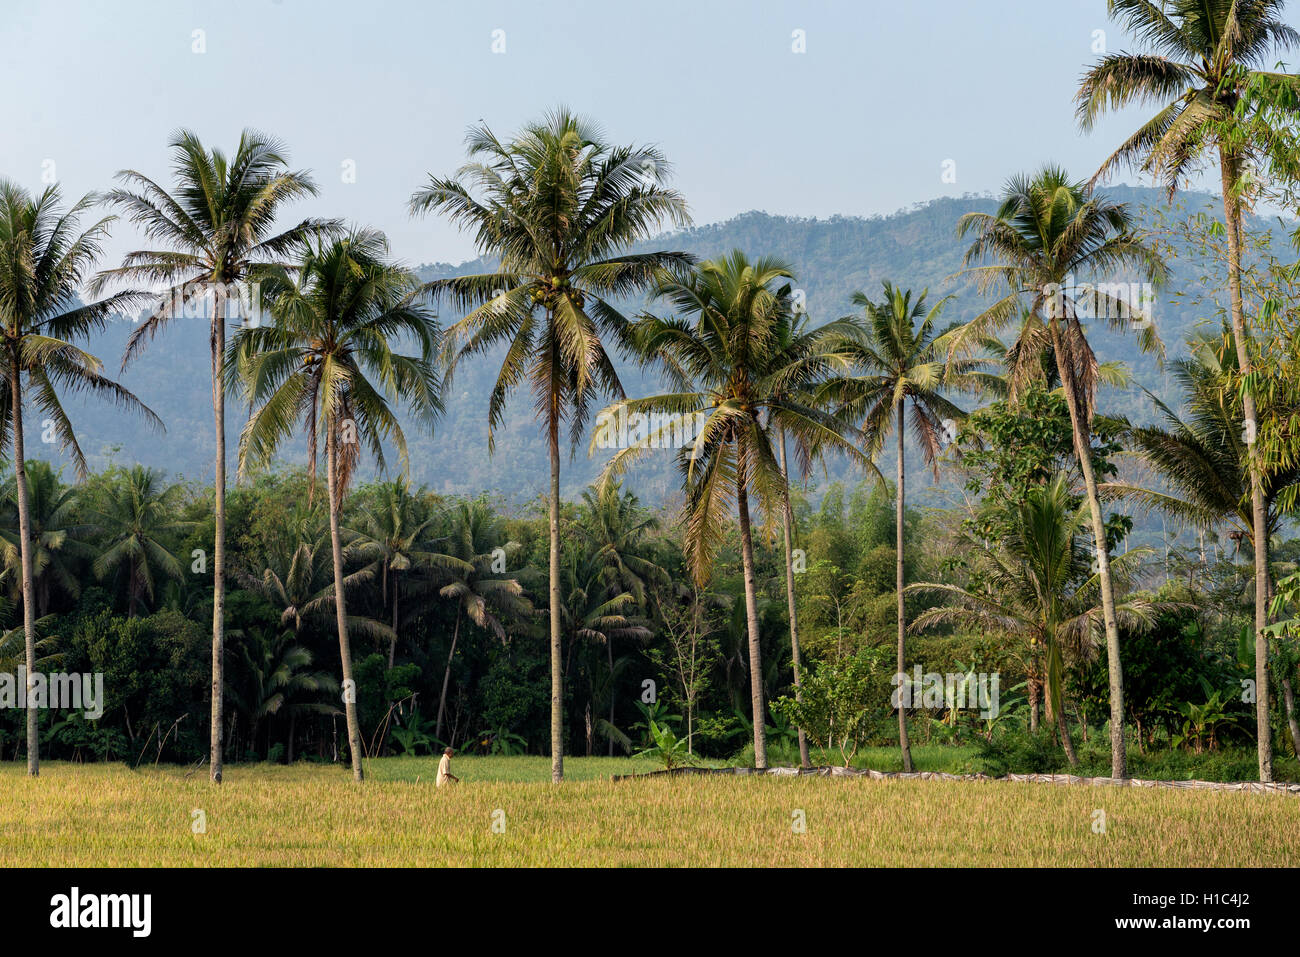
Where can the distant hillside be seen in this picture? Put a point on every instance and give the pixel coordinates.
(832, 258)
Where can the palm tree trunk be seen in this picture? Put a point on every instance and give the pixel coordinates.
(557, 677)
(609, 651)
(1064, 729)
(1033, 704)
(218, 340)
(1083, 451)
(751, 610)
(788, 521)
(1228, 168)
(446, 677)
(903, 743)
(132, 586)
(345, 645)
(392, 645)
(25, 552)
(1288, 699)
(1056, 704)
(1284, 681)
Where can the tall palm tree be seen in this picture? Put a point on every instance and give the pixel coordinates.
(795, 339)
(58, 534)
(135, 515)
(725, 364)
(1047, 232)
(1205, 54)
(327, 362)
(481, 587)
(44, 259)
(1038, 583)
(557, 207)
(901, 363)
(1203, 459)
(213, 232)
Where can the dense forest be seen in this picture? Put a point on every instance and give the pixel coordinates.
(447, 600)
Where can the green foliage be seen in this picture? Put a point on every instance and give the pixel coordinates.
(655, 714)
(1007, 449)
(843, 702)
(380, 688)
(667, 748)
(1202, 723)
(501, 741)
(1022, 751)
(1167, 667)
(412, 733)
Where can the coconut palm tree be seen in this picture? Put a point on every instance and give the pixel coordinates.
(58, 535)
(1038, 584)
(795, 339)
(597, 611)
(279, 679)
(299, 580)
(900, 365)
(393, 538)
(1203, 459)
(481, 585)
(727, 369)
(1205, 55)
(615, 525)
(1054, 246)
(134, 513)
(557, 207)
(327, 363)
(44, 259)
(213, 232)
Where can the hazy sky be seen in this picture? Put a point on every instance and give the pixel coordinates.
(860, 123)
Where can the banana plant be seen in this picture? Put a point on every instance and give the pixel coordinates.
(654, 713)
(501, 742)
(1202, 723)
(413, 735)
(668, 749)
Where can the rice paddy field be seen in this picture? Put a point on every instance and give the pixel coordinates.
(507, 813)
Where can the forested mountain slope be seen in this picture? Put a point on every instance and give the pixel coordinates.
(832, 258)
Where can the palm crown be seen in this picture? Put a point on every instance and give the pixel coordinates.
(1205, 53)
(1049, 237)
(329, 360)
(735, 362)
(899, 358)
(218, 225)
(557, 207)
(44, 259)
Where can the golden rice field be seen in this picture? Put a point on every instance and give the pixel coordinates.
(312, 815)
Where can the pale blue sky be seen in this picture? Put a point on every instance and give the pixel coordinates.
(861, 123)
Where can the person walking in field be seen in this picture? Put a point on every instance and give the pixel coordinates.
(444, 768)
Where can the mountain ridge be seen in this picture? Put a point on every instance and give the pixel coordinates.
(916, 247)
